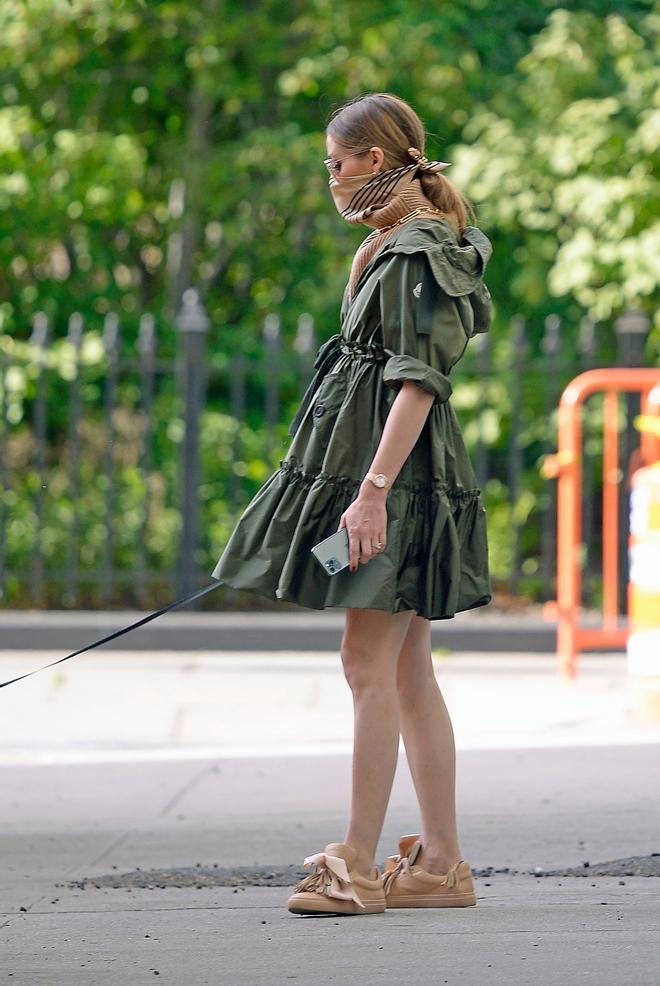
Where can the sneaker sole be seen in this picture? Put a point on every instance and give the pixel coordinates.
(348, 910)
(432, 900)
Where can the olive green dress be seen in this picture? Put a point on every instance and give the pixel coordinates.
(416, 304)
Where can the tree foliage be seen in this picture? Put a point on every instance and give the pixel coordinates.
(568, 169)
(148, 146)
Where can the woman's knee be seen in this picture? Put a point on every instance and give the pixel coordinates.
(369, 650)
(414, 677)
(415, 671)
(364, 669)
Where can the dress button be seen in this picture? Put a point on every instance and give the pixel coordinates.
(319, 409)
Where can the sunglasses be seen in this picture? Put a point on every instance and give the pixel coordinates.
(333, 164)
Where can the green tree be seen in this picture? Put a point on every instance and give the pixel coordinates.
(568, 170)
(146, 146)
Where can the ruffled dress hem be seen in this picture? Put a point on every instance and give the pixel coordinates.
(432, 563)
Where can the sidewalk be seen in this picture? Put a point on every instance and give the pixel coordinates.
(485, 629)
(181, 705)
(127, 768)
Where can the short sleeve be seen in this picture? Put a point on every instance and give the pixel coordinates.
(421, 330)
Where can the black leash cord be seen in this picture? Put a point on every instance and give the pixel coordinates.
(120, 633)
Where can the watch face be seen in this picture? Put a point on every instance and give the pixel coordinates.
(380, 480)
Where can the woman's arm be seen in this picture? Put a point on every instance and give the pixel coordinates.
(366, 517)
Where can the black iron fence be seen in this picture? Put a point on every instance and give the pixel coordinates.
(123, 472)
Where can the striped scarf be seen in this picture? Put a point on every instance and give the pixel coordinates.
(405, 202)
(380, 201)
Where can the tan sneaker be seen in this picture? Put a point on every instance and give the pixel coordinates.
(407, 885)
(334, 889)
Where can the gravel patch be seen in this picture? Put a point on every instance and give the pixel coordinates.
(285, 876)
(630, 866)
(196, 876)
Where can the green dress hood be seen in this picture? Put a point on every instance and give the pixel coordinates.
(457, 265)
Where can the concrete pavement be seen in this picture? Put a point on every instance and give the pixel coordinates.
(164, 761)
(115, 705)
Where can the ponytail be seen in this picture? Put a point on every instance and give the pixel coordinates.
(445, 196)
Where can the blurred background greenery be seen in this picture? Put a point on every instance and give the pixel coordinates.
(149, 146)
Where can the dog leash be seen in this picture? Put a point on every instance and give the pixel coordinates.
(119, 633)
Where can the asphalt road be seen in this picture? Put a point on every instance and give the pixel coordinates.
(185, 763)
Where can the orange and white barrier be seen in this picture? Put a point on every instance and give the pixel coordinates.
(572, 636)
(643, 646)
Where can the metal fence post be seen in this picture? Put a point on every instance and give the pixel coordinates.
(305, 345)
(514, 452)
(72, 563)
(587, 348)
(146, 346)
(551, 347)
(272, 343)
(111, 346)
(631, 330)
(39, 340)
(4, 472)
(192, 321)
(237, 374)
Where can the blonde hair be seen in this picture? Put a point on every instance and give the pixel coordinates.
(383, 120)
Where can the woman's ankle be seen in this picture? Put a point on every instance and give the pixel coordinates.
(437, 860)
(364, 867)
(364, 860)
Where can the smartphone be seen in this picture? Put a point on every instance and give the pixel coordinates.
(332, 552)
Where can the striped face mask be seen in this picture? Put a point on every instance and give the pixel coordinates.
(359, 196)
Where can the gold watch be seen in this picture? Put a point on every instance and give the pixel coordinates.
(379, 479)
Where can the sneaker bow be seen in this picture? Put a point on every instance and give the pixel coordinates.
(330, 878)
(395, 866)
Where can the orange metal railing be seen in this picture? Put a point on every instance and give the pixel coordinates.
(566, 465)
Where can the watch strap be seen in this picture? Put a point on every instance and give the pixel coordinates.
(373, 477)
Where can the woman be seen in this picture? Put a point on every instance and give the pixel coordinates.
(377, 449)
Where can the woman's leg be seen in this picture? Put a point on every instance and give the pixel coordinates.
(370, 648)
(429, 740)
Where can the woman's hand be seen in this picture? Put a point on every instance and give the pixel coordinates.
(366, 521)
(366, 518)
